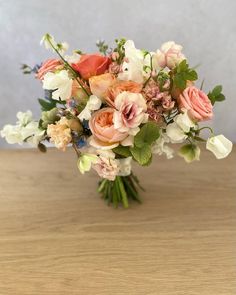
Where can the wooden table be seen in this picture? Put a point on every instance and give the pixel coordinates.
(58, 237)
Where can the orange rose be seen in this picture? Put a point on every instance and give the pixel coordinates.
(119, 87)
(91, 65)
(102, 127)
(50, 65)
(100, 84)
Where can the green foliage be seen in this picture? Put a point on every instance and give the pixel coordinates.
(190, 152)
(49, 117)
(182, 74)
(123, 151)
(120, 49)
(142, 154)
(47, 105)
(102, 46)
(216, 94)
(147, 135)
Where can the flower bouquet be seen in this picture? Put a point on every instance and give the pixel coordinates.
(117, 106)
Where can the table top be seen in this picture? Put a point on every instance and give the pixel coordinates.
(58, 237)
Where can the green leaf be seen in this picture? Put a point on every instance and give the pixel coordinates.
(216, 94)
(182, 73)
(122, 151)
(192, 75)
(141, 154)
(147, 134)
(47, 105)
(179, 81)
(190, 153)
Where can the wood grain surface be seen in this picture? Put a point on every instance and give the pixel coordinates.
(58, 237)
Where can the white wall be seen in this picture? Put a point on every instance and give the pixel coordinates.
(206, 28)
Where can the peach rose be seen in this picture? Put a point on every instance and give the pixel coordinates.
(119, 87)
(100, 84)
(78, 92)
(91, 65)
(50, 65)
(197, 103)
(103, 131)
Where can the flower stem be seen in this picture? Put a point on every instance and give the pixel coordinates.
(69, 66)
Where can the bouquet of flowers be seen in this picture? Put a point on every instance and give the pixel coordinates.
(117, 106)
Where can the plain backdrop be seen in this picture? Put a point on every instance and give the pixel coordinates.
(206, 29)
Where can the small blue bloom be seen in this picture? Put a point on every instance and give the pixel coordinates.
(81, 142)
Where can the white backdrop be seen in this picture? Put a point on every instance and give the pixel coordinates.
(206, 29)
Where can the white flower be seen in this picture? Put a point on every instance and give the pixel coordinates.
(184, 122)
(169, 55)
(94, 103)
(133, 67)
(24, 118)
(219, 145)
(131, 112)
(60, 82)
(125, 166)
(12, 134)
(72, 59)
(177, 130)
(50, 43)
(85, 162)
(160, 147)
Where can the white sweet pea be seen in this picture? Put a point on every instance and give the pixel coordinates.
(133, 67)
(85, 162)
(219, 145)
(49, 42)
(125, 166)
(184, 122)
(177, 130)
(74, 58)
(60, 82)
(160, 147)
(12, 134)
(94, 103)
(24, 118)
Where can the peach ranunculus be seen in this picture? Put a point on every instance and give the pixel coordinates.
(197, 103)
(100, 84)
(91, 65)
(104, 135)
(50, 65)
(119, 87)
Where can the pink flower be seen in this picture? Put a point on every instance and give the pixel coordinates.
(104, 133)
(50, 65)
(131, 112)
(91, 65)
(197, 103)
(107, 167)
(169, 55)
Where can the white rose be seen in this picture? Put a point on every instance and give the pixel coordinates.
(219, 145)
(59, 82)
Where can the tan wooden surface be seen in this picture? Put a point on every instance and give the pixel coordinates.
(58, 237)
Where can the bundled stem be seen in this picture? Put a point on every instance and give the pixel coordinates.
(120, 190)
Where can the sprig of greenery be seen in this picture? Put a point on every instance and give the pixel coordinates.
(182, 73)
(216, 94)
(102, 46)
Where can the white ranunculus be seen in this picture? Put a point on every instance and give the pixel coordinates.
(184, 122)
(12, 134)
(219, 145)
(94, 103)
(175, 133)
(60, 82)
(160, 147)
(24, 118)
(125, 166)
(85, 162)
(133, 68)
